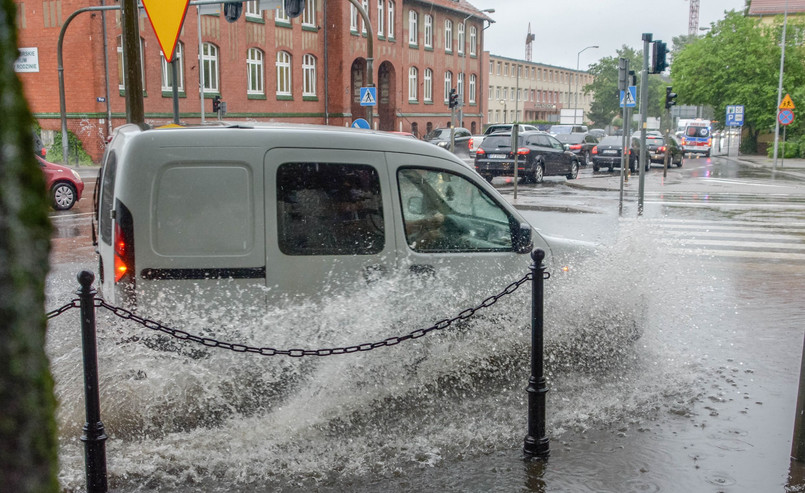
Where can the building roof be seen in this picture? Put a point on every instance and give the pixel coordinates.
(462, 6)
(776, 7)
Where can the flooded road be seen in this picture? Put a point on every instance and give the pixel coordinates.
(704, 400)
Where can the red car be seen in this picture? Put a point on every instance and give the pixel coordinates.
(63, 184)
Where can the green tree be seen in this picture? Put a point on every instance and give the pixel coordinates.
(738, 62)
(28, 454)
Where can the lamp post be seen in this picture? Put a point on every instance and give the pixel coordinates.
(578, 56)
(464, 60)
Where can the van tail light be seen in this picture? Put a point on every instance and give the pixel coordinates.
(595, 150)
(523, 151)
(576, 147)
(125, 273)
(480, 152)
(661, 149)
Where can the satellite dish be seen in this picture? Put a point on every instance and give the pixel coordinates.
(294, 8)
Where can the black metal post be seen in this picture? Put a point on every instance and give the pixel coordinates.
(536, 443)
(94, 436)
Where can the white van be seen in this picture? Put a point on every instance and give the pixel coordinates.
(294, 210)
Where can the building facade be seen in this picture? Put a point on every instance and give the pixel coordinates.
(265, 66)
(522, 91)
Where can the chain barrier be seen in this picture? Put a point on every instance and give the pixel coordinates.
(297, 353)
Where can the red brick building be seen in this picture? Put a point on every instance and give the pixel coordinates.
(265, 66)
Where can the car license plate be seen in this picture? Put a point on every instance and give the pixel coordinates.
(610, 151)
(497, 156)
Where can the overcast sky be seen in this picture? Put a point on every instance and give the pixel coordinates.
(565, 27)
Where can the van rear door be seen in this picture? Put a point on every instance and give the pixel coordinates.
(329, 224)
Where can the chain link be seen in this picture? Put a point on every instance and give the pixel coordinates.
(297, 353)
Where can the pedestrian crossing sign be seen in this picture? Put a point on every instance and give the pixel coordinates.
(368, 96)
(629, 98)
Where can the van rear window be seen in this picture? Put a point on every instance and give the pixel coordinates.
(329, 209)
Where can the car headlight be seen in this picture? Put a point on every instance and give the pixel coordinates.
(442, 144)
(75, 175)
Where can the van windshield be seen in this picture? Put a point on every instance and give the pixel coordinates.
(697, 131)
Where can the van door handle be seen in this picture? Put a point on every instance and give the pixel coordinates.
(423, 270)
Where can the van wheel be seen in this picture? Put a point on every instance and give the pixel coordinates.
(63, 196)
(537, 173)
(574, 170)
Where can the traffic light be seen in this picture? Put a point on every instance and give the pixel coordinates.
(658, 62)
(216, 104)
(623, 73)
(670, 98)
(453, 98)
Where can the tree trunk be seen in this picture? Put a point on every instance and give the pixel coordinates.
(28, 448)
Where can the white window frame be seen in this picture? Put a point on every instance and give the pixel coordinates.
(281, 15)
(413, 82)
(390, 20)
(448, 84)
(448, 36)
(309, 75)
(427, 89)
(413, 27)
(380, 12)
(473, 41)
(252, 10)
(428, 31)
(353, 19)
(473, 87)
(309, 14)
(121, 65)
(255, 74)
(460, 87)
(365, 8)
(283, 73)
(209, 57)
(167, 70)
(460, 39)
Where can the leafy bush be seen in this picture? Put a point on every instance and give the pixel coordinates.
(787, 150)
(74, 146)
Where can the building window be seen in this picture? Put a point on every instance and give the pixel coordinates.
(366, 9)
(380, 20)
(167, 70)
(505, 93)
(428, 87)
(491, 67)
(209, 60)
(255, 77)
(281, 15)
(460, 87)
(448, 84)
(413, 81)
(473, 85)
(309, 73)
(497, 92)
(460, 39)
(121, 69)
(428, 31)
(390, 29)
(474, 41)
(353, 18)
(490, 92)
(309, 15)
(252, 11)
(506, 69)
(499, 65)
(283, 73)
(413, 28)
(448, 36)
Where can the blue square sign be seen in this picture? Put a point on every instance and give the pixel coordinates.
(368, 96)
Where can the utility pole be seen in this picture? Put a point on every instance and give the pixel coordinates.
(132, 77)
(643, 114)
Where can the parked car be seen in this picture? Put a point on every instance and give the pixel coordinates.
(657, 148)
(581, 145)
(477, 140)
(567, 129)
(598, 133)
(441, 138)
(280, 212)
(607, 153)
(538, 155)
(63, 184)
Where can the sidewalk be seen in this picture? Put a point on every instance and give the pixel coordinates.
(758, 161)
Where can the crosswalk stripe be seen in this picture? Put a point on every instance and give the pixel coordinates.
(740, 253)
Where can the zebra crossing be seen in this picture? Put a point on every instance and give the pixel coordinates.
(730, 239)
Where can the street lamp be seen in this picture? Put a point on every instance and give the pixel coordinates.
(578, 56)
(464, 60)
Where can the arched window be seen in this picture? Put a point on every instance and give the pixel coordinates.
(428, 86)
(309, 74)
(209, 60)
(448, 36)
(167, 70)
(413, 82)
(448, 84)
(413, 27)
(473, 84)
(460, 39)
(255, 72)
(473, 41)
(283, 73)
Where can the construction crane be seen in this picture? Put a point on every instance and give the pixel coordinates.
(528, 39)
(693, 18)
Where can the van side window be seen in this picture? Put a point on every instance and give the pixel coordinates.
(107, 197)
(329, 209)
(444, 212)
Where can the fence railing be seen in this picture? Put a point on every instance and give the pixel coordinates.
(536, 443)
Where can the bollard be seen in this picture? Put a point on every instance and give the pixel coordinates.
(536, 443)
(94, 436)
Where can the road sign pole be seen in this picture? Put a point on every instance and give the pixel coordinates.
(643, 114)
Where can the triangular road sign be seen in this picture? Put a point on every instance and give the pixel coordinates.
(167, 17)
(787, 103)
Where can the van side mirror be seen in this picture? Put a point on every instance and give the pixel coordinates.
(521, 240)
(566, 146)
(415, 206)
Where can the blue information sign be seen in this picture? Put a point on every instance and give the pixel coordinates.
(368, 96)
(735, 115)
(360, 123)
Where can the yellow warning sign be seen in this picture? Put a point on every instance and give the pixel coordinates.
(167, 17)
(787, 104)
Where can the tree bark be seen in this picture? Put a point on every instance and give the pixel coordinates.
(28, 447)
